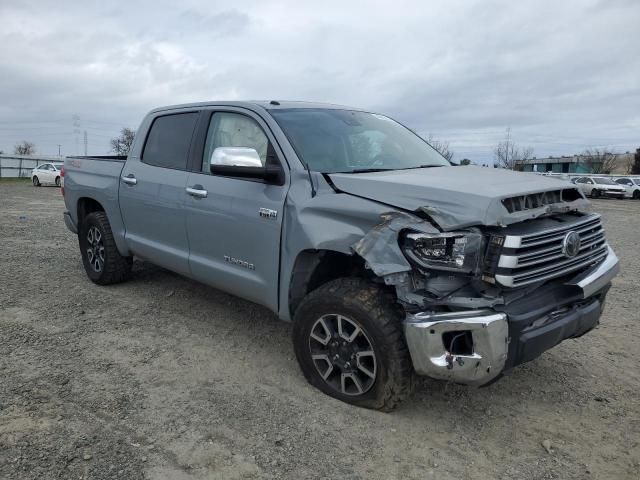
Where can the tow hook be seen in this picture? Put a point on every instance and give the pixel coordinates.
(449, 358)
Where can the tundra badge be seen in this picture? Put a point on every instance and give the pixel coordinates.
(268, 213)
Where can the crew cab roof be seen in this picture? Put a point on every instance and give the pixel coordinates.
(251, 104)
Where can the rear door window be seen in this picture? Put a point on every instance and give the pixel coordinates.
(169, 140)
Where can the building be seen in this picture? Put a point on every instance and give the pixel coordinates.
(576, 164)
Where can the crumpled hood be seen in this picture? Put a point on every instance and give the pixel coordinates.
(456, 197)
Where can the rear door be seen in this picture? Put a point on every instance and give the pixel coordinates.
(152, 193)
(234, 232)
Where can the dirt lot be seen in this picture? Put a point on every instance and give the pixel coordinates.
(164, 378)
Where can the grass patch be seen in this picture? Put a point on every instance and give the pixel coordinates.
(15, 180)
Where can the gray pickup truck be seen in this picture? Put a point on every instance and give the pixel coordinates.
(388, 260)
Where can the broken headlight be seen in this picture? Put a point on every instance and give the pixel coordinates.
(455, 251)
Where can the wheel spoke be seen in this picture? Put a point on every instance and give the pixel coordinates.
(343, 332)
(327, 332)
(362, 368)
(324, 358)
(354, 380)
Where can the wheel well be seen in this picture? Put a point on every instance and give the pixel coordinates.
(314, 268)
(86, 206)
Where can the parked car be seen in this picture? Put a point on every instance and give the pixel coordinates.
(596, 187)
(388, 260)
(631, 185)
(47, 174)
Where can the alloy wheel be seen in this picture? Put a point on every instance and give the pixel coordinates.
(343, 354)
(95, 249)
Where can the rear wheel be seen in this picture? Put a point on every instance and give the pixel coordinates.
(57, 181)
(36, 181)
(595, 193)
(348, 340)
(102, 260)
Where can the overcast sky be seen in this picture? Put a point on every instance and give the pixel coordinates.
(564, 75)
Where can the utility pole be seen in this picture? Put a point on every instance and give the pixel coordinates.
(75, 120)
(59, 150)
(85, 143)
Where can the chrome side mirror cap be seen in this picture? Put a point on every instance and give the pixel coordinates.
(235, 157)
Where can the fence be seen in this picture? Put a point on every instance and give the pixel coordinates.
(21, 166)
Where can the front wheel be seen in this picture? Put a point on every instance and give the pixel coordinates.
(36, 181)
(595, 193)
(102, 260)
(636, 195)
(348, 339)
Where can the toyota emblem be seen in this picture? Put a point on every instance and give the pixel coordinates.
(571, 244)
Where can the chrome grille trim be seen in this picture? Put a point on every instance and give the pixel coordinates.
(539, 256)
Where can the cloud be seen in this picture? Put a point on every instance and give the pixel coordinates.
(562, 75)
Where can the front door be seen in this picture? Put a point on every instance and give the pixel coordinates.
(234, 232)
(152, 193)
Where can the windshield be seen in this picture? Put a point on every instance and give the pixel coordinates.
(331, 141)
(604, 181)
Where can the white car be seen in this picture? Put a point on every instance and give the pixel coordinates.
(46, 174)
(631, 185)
(596, 187)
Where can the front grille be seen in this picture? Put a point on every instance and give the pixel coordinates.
(538, 256)
(536, 200)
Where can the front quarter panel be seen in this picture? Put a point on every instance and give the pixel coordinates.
(329, 221)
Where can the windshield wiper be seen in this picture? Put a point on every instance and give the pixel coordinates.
(423, 166)
(369, 170)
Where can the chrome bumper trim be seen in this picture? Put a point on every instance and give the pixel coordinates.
(594, 280)
(424, 333)
(68, 221)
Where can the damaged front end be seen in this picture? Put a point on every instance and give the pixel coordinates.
(466, 326)
(437, 272)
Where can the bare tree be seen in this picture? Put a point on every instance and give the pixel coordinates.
(636, 163)
(508, 155)
(24, 148)
(441, 146)
(465, 161)
(599, 160)
(122, 145)
(629, 162)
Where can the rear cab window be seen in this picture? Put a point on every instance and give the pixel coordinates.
(169, 140)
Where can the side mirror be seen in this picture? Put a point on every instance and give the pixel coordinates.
(235, 157)
(243, 162)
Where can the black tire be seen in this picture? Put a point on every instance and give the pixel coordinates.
(380, 318)
(636, 195)
(595, 193)
(57, 181)
(114, 268)
(36, 181)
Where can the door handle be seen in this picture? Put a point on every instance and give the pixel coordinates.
(130, 179)
(197, 191)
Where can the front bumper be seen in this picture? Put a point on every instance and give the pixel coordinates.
(503, 339)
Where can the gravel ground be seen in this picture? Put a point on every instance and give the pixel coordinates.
(164, 378)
